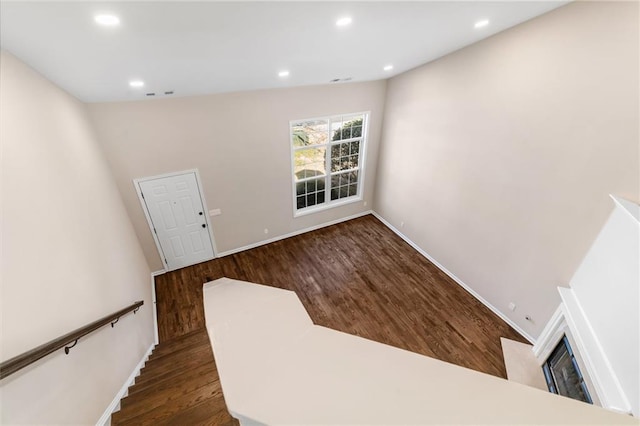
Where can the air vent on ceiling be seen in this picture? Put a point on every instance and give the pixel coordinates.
(337, 80)
(168, 92)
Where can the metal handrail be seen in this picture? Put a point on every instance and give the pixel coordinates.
(18, 362)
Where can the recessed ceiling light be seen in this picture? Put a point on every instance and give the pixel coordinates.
(482, 23)
(344, 21)
(107, 20)
(284, 73)
(136, 83)
(388, 67)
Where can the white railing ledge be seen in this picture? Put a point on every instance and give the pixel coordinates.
(629, 207)
(276, 367)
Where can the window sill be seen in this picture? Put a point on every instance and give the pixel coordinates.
(326, 206)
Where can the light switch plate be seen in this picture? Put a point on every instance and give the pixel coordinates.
(215, 212)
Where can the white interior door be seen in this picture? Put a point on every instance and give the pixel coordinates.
(178, 219)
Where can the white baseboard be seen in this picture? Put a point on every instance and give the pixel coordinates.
(457, 280)
(293, 234)
(153, 302)
(105, 419)
(154, 310)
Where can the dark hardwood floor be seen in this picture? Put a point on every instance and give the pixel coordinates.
(357, 277)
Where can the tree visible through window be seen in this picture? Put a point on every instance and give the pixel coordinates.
(327, 160)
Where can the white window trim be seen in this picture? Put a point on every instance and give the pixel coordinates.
(329, 204)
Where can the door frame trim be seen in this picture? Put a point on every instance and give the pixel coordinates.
(143, 204)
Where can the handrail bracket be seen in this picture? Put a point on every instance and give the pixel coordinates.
(66, 348)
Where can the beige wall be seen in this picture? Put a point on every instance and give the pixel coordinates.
(240, 144)
(499, 158)
(69, 257)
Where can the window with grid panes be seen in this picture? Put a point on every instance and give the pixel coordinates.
(327, 155)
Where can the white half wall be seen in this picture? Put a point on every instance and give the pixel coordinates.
(69, 257)
(498, 159)
(278, 368)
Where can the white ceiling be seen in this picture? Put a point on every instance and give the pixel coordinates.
(195, 48)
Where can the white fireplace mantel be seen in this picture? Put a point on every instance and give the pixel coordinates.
(600, 312)
(604, 377)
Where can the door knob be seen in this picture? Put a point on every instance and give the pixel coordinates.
(200, 213)
(204, 226)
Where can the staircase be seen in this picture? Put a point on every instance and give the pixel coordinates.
(179, 385)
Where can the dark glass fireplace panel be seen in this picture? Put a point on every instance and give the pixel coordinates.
(563, 374)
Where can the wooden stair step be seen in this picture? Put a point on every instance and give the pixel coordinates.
(151, 367)
(146, 392)
(153, 400)
(141, 416)
(178, 363)
(188, 337)
(178, 369)
(171, 347)
(210, 412)
(178, 343)
(189, 351)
